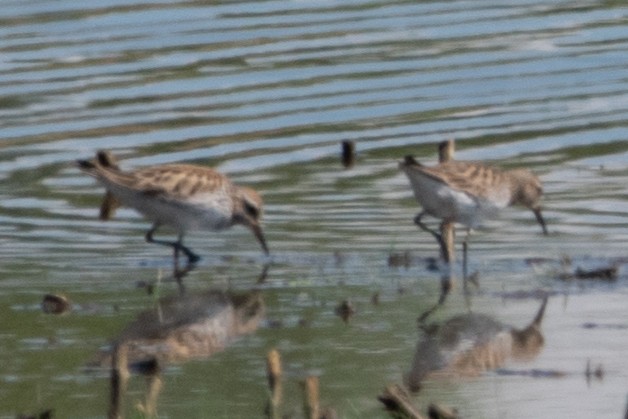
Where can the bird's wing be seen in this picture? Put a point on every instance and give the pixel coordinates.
(477, 180)
(179, 181)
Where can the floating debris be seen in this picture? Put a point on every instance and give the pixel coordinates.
(406, 259)
(55, 304)
(345, 310)
(566, 270)
(535, 373)
(591, 325)
(604, 274)
(609, 273)
(397, 260)
(375, 298)
(590, 372)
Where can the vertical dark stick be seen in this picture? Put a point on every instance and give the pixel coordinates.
(348, 153)
(464, 261)
(446, 153)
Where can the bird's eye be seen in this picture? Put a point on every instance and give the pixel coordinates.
(251, 210)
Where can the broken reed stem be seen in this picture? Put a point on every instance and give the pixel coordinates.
(311, 406)
(274, 372)
(441, 412)
(446, 153)
(273, 368)
(399, 403)
(446, 150)
(154, 386)
(119, 378)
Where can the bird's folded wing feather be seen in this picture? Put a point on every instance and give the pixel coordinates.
(172, 182)
(474, 179)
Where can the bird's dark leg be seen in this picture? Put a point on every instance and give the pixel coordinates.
(437, 236)
(192, 257)
(464, 259)
(466, 277)
(465, 249)
(177, 246)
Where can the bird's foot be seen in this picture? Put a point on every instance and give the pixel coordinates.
(193, 258)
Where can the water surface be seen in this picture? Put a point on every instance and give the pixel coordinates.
(266, 91)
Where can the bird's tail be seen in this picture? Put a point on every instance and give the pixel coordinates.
(409, 161)
(104, 159)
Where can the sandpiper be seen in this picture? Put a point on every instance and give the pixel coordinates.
(183, 196)
(468, 193)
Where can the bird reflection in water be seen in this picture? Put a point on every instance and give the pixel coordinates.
(469, 344)
(179, 328)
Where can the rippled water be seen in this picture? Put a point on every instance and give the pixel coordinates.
(266, 91)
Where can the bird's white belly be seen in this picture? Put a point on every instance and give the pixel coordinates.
(211, 212)
(444, 202)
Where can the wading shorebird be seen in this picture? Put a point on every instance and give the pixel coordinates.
(183, 196)
(468, 193)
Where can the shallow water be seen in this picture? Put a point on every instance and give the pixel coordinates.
(265, 92)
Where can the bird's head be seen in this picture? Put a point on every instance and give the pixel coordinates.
(527, 191)
(248, 212)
